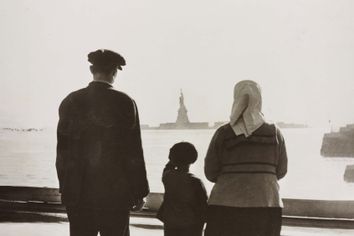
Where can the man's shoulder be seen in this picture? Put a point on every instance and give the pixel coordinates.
(71, 97)
(83, 92)
(120, 95)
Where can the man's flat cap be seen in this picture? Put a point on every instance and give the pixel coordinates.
(106, 58)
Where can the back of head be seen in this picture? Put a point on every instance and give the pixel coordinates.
(246, 114)
(248, 92)
(105, 61)
(183, 153)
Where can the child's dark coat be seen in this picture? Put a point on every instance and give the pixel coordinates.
(185, 199)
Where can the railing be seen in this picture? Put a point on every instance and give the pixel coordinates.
(30, 204)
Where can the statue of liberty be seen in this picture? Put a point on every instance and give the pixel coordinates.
(182, 117)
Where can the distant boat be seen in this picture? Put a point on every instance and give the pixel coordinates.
(284, 125)
(339, 144)
(349, 174)
(23, 130)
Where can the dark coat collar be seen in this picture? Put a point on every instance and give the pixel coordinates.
(97, 84)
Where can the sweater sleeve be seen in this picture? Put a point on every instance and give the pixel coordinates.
(282, 166)
(212, 164)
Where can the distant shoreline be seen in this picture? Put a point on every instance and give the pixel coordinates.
(170, 126)
(204, 125)
(23, 129)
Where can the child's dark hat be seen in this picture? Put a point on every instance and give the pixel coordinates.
(183, 153)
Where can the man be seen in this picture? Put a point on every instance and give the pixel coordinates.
(100, 161)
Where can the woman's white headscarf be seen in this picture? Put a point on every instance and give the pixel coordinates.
(246, 115)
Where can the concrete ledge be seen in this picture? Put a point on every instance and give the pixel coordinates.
(27, 204)
(318, 208)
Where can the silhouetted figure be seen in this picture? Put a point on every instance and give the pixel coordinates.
(245, 159)
(183, 210)
(100, 161)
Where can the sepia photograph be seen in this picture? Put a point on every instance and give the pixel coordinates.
(177, 118)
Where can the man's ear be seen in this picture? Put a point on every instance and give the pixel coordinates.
(114, 73)
(91, 69)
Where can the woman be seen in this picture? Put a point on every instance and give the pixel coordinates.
(245, 160)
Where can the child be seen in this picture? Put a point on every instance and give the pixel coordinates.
(184, 207)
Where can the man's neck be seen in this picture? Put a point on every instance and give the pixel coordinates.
(102, 81)
(104, 78)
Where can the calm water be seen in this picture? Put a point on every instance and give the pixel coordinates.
(28, 159)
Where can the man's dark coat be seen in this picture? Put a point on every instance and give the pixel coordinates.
(100, 161)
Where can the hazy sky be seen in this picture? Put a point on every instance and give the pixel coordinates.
(300, 52)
